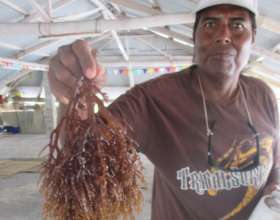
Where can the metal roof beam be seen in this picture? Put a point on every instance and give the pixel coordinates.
(14, 7)
(133, 5)
(35, 14)
(107, 14)
(266, 53)
(78, 16)
(96, 26)
(50, 3)
(9, 46)
(34, 48)
(40, 10)
(154, 48)
(269, 24)
(17, 48)
(177, 37)
(264, 21)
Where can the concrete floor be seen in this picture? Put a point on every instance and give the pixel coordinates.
(19, 197)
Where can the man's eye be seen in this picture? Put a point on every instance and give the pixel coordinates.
(210, 24)
(238, 26)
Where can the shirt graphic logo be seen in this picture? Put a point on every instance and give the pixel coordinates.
(201, 182)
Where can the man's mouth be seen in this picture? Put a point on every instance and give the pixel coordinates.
(222, 56)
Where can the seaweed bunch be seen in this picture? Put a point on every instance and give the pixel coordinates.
(92, 170)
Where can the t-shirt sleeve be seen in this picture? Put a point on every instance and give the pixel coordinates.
(132, 108)
(272, 109)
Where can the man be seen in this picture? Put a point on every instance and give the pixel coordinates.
(210, 131)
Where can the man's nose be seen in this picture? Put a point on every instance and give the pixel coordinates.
(223, 36)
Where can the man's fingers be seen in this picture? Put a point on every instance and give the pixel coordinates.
(87, 61)
(69, 60)
(93, 52)
(101, 76)
(62, 74)
(60, 91)
(70, 63)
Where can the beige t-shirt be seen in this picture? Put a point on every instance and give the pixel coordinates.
(167, 118)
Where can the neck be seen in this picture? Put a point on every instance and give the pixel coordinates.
(218, 89)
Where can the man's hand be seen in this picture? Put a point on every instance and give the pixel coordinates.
(68, 65)
(269, 189)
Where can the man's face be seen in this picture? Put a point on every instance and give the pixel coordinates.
(223, 40)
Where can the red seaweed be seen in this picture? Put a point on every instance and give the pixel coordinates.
(95, 173)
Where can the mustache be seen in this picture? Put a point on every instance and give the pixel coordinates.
(221, 51)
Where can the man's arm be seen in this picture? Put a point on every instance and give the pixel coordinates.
(273, 182)
(274, 178)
